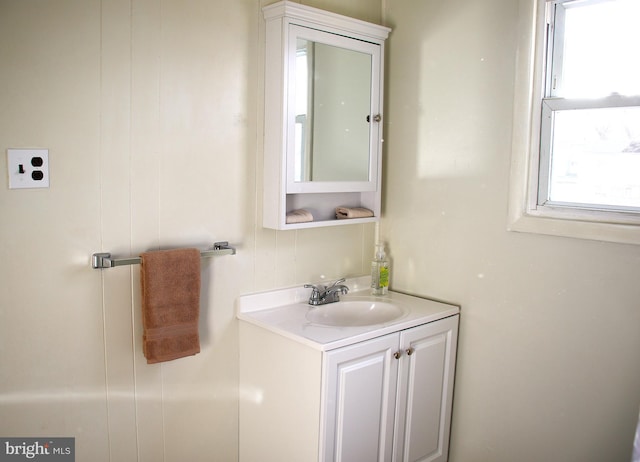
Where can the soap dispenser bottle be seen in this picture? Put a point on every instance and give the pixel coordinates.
(379, 272)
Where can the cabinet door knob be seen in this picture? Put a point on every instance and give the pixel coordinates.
(410, 351)
(397, 354)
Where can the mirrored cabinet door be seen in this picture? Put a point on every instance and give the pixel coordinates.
(332, 129)
(323, 106)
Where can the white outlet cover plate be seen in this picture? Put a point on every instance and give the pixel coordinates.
(28, 168)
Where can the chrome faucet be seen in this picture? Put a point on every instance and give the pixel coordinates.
(321, 295)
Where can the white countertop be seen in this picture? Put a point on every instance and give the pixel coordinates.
(284, 311)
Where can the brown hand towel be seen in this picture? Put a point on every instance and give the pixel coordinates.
(299, 216)
(170, 282)
(353, 212)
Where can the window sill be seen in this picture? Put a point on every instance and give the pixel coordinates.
(541, 222)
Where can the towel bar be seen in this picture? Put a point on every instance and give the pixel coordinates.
(104, 260)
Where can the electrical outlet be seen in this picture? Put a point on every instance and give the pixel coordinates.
(28, 168)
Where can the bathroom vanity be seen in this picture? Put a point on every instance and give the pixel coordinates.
(323, 113)
(364, 379)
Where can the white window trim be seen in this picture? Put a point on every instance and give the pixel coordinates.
(524, 213)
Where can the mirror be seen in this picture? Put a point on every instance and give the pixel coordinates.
(332, 113)
(332, 138)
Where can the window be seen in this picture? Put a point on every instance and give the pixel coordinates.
(590, 128)
(584, 145)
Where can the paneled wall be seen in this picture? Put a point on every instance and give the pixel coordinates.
(152, 114)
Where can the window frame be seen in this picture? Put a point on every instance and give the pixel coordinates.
(527, 213)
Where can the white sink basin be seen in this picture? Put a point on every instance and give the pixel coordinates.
(355, 313)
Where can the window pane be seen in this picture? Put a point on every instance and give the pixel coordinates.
(595, 157)
(601, 49)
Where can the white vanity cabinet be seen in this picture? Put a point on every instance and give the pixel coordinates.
(384, 399)
(389, 399)
(322, 115)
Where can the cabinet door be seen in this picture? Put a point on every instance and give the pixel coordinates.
(425, 388)
(359, 401)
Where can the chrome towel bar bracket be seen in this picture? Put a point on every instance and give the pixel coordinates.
(104, 260)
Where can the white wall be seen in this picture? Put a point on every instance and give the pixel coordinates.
(152, 114)
(548, 366)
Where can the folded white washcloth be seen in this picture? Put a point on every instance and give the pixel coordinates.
(353, 212)
(299, 216)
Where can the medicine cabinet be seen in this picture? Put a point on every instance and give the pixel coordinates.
(323, 112)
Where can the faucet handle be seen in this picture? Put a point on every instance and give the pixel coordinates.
(316, 293)
(339, 281)
(315, 289)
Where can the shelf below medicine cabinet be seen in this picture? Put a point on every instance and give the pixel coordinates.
(323, 115)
